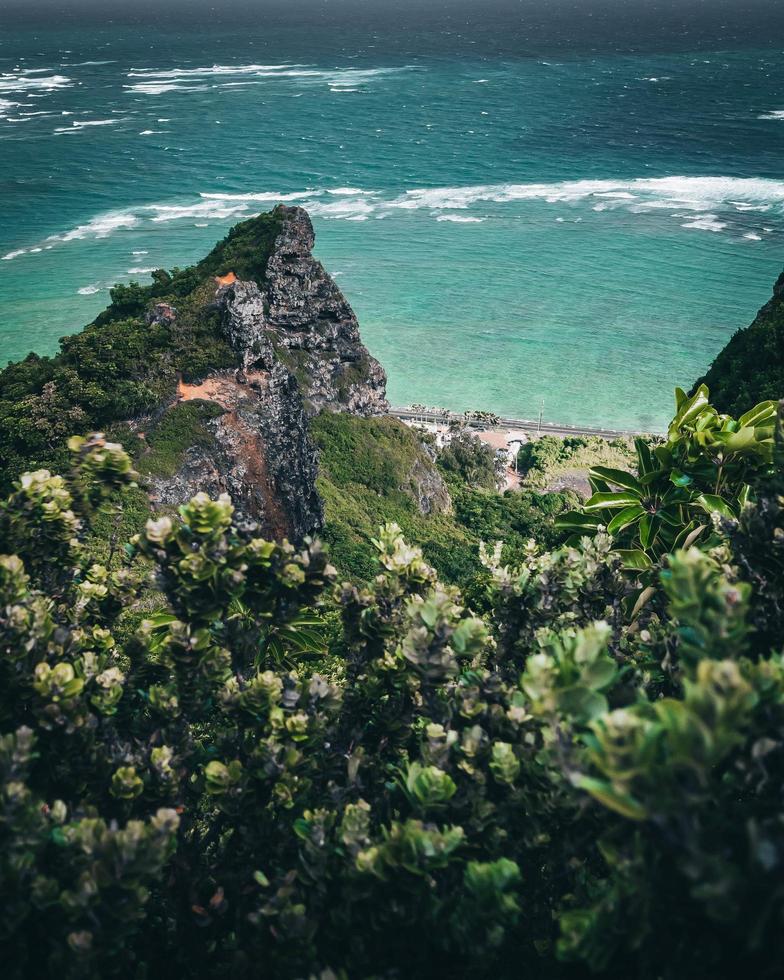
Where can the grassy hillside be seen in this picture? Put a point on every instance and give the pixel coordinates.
(751, 367)
(366, 480)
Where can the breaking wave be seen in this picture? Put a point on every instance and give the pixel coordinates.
(711, 204)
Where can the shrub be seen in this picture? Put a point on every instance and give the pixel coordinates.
(559, 781)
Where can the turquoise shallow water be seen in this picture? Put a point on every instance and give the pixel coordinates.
(516, 210)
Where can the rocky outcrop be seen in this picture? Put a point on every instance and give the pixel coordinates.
(299, 318)
(298, 351)
(426, 487)
(261, 454)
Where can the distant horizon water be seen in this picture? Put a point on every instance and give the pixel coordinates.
(513, 216)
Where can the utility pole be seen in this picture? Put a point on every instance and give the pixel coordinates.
(541, 413)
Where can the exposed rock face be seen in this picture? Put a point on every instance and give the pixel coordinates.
(262, 455)
(300, 318)
(427, 488)
(299, 351)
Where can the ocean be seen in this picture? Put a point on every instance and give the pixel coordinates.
(559, 206)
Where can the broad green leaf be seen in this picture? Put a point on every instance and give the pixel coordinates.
(576, 520)
(612, 798)
(619, 478)
(711, 502)
(633, 558)
(644, 458)
(600, 501)
(649, 528)
(759, 415)
(626, 517)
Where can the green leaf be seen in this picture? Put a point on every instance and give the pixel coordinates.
(649, 528)
(600, 501)
(633, 558)
(619, 478)
(575, 520)
(759, 415)
(711, 502)
(645, 462)
(626, 517)
(612, 798)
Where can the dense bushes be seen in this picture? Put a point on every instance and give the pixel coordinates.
(574, 781)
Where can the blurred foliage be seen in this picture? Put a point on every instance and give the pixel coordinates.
(574, 781)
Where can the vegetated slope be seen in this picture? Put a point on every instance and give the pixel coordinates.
(257, 331)
(126, 363)
(376, 471)
(582, 780)
(751, 367)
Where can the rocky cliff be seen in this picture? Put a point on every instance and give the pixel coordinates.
(212, 376)
(298, 351)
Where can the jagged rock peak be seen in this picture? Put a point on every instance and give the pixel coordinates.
(297, 316)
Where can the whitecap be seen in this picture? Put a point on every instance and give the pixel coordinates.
(79, 124)
(205, 209)
(25, 83)
(775, 114)
(140, 252)
(89, 290)
(139, 271)
(264, 196)
(708, 222)
(14, 255)
(100, 227)
(461, 219)
(753, 236)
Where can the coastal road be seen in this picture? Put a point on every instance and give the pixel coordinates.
(533, 427)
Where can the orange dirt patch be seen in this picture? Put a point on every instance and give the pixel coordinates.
(211, 390)
(226, 280)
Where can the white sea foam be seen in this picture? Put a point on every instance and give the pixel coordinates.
(100, 227)
(708, 222)
(18, 82)
(140, 271)
(460, 219)
(264, 197)
(349, 208)
(205, 209)
(155, 81)
(140, 252)
(160, 88)
(89, 290)
(14, 255)
(697, 203)
(777, 114)
(753, 236)
(79, 124)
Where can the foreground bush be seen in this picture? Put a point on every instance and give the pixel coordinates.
(579, 781)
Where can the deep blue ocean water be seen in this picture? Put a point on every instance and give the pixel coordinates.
(575, 203)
